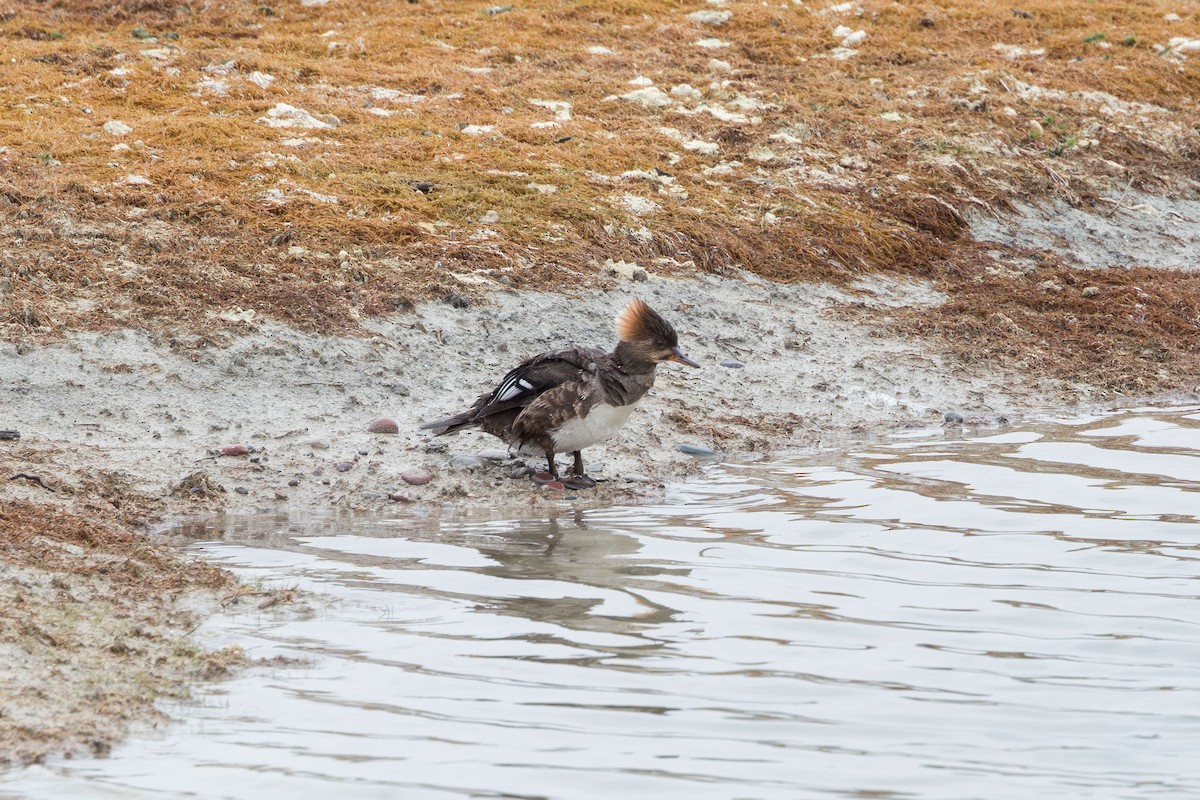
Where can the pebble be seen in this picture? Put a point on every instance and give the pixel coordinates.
(1091, 291)
(237, 450)
(241, 490)
(729, 362)
(325, 481)
(597, 467)
(319, 444)
(373, 495)
(553, 486)
(436, 447)
(952, 417)
(416, 477)
(637, 477)
(695, 450)
(470, 462)
(520, 471)
(294, 482)
(383, 425)
(399, 497)
(362, 452)
(494, 454)
(490, 217)
(345, 466)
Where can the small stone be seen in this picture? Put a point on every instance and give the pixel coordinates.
(469, 462)
(362, 452)
(731, 364)
(114, 127)
(953, 417)
(399, 497)
(325, 481)
(636, 477)
(596, 467)
(520, 471)
(141, 33)
(494, 454)
(241, 490)
(344, 466)
(237, 450)
(490, 217)
(640, 275)
(457, 300)
(1091, 291)
(416, 477)
(424, 187)
(695, 450)
(926, 22)
(384, 425)
(373, 495)
(436, 447)
(319, 444)
(553, 486)
(294, 482)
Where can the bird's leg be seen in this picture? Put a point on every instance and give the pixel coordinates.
(580, 480)
(550, 465)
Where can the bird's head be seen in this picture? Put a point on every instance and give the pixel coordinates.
(645, 333)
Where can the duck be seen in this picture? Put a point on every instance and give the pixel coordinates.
(566, 400)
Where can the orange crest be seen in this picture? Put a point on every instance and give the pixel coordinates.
(639, 322)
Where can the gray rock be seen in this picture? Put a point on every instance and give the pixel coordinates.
(494, 454)
(731, 364)
(373, 495)
(435, 447)
(636, 477)
(952, 417)
(345, 466)
(695, 450)
(241, 490)
(596, 467)
(468, 462)
(294, 482)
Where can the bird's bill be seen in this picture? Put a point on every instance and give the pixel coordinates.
(677, 355)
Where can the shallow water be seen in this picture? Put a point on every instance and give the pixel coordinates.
(1001, 616)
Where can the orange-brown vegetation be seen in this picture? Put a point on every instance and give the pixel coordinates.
(801, 166)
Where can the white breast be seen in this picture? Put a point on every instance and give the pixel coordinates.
(600, 424)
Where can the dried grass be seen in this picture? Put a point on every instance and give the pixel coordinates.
(853, 166)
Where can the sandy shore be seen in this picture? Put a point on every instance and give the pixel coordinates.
(815, 366)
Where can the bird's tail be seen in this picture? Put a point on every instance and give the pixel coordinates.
(451, 424)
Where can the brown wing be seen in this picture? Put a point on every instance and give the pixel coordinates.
(534, 377)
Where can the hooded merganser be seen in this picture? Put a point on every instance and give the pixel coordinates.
(566, 400)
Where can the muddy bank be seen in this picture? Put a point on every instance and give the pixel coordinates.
(95, 629)
(814, 367)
